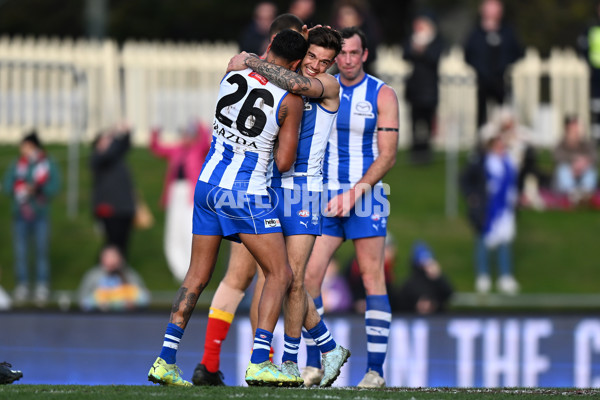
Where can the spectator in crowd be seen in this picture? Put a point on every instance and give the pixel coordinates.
(31, 181)
(185, 159)
(305, 10)
(255, 37)
(8, 374)
(335, 290)
(491, 47)
(349, 13)
(588, 44)
(524, 156)
(489, 183)
(113, 194)
(575, 157)
(423, 50)
(112, 285)
(426, 290)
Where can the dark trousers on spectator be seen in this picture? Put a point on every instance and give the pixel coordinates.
(117, 230)
(422, 127)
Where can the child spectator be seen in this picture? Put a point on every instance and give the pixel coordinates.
(489, 184)
(112, 285)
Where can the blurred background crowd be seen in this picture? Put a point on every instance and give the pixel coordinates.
(100, 147)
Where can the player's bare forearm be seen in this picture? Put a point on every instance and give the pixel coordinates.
(376, 171)
(280, 76)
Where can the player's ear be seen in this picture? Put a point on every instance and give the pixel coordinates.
(365, 55)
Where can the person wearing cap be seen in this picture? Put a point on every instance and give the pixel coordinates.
(31, 181)
(426, 290)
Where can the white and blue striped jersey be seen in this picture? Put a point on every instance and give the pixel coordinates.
(244, 132)
(352, 145)
(316, 126)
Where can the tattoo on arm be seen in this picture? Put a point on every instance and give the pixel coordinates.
(283, 112)
(282, 77)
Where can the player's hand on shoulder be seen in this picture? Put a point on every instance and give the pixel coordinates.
(238, 62)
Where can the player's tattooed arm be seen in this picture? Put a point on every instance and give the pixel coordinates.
(282, 77)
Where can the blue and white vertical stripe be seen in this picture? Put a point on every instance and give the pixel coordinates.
(352, 145)
(317, 123)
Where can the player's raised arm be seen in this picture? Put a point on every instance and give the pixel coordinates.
(290, 116)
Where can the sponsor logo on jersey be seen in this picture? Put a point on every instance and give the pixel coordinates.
(305, 223)
(364, 109)
(230, 135)
(303, 213)
(272, 223)
(258, 77)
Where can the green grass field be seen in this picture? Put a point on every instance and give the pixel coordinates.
(136, 392)
(552, 253)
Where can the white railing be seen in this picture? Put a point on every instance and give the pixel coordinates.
(62, 86)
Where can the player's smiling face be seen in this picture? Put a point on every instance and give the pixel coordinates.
(317, 60)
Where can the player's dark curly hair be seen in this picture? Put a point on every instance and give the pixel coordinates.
(326, 38)
(290, 45)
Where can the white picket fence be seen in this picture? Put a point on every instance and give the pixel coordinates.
(72, 89)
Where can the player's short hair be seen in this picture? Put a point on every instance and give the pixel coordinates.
(354, 30)
(285, 21)
(289, 45)
(326, 38)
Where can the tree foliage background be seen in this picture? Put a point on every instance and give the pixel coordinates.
(540, 23)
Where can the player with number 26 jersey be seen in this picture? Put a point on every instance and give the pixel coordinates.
(244, 132)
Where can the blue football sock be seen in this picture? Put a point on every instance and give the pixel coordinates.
(173, 336)
(262, 346)
(378, 317)
(313, 354)
(290, 349)
(322, 337)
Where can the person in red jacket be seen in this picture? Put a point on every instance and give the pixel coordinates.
(184, 162)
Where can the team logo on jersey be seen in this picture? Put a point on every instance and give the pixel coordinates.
(303, 213)
(272, 223)
(364, 109)
(383, 222)
(315, 219)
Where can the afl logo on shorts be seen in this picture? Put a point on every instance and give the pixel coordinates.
(303, 213)
(375, 217)
(272, 223)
